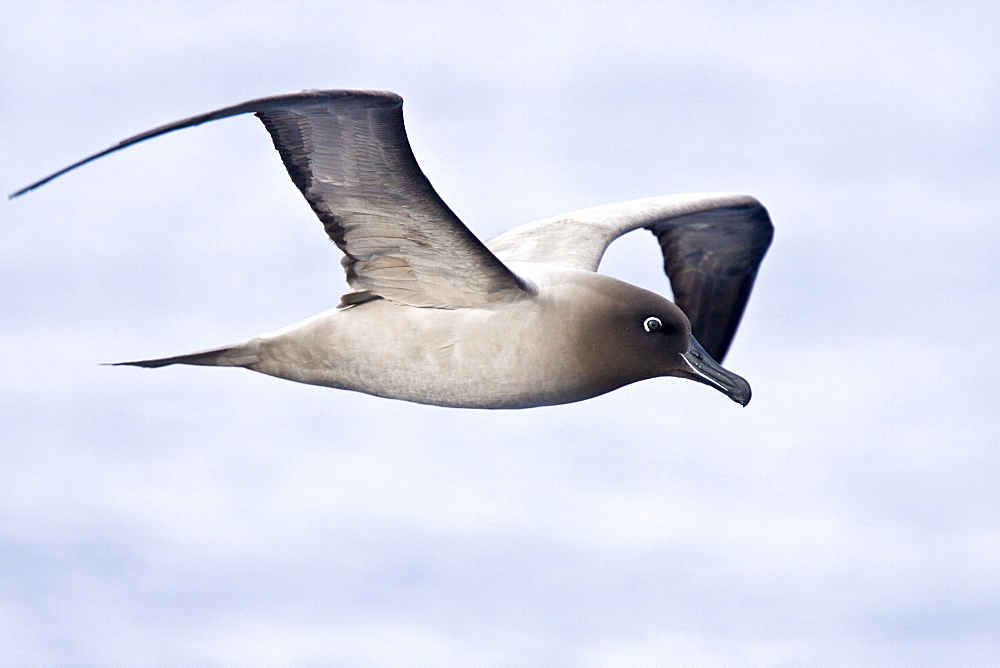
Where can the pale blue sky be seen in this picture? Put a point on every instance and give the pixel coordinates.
(849, 515)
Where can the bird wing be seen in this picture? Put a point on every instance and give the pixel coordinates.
(712, 247)
(348, 153)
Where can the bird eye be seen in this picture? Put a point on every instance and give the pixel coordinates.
(652, 324)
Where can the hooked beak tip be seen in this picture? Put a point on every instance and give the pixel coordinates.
(704, 369)
(743, 399)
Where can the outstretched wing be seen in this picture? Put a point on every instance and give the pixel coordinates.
(348, 153)
(712, 246)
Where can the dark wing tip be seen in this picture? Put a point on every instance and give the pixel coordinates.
(367, 98)
(712, 258)
(148, 364)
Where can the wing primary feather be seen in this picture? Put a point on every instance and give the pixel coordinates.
(382, 97)
(712, 258)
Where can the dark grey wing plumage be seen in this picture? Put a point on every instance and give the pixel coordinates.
(712, 246)
(712, 260)
(348, 153)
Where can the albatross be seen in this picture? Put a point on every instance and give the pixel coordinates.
(436, 316)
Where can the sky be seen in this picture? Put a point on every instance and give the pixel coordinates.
(850, 515)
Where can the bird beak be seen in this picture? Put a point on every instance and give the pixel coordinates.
(704, 369)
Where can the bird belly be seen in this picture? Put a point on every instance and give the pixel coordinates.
(471, 358)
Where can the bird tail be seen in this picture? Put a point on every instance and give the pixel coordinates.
(243, 354)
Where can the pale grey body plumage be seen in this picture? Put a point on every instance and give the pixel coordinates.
(435, 316)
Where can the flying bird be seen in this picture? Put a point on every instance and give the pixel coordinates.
(436, 316)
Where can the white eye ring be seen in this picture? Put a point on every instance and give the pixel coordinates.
(652, 324)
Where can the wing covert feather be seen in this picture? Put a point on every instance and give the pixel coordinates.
(353, 163)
